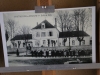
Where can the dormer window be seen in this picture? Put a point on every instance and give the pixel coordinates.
(43, 25)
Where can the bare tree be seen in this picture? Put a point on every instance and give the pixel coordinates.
(10, 28)
(7, 36)
(25, 31)
(7, 32)
(61, 19)
(80, 20)
(65, 23)
(11, 24)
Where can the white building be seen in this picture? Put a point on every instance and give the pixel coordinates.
(72, 38)
(44, 34)
(47, 35)
(19, 41)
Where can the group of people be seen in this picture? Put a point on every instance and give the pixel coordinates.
(60, 53)
(57, 52)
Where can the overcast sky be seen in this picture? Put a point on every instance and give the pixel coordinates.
(30, 18)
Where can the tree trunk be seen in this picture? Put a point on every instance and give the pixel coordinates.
(64, 43)
(26, 47)
(26, 51)
(62, 29)
(11, 33)
(79, 43)
(69, 41)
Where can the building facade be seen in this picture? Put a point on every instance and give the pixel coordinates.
(47, 35)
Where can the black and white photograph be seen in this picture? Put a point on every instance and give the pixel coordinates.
(66, 36)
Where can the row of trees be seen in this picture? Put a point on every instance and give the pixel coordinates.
(76, 20)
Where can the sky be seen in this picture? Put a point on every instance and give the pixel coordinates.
(30, 18)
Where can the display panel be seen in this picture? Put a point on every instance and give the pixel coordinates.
(66, 36)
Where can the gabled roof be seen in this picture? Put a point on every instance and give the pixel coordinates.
(72, 34)
(47, 25)
(22, 37)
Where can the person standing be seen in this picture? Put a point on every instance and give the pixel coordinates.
(17, 52)
(47, 53)
(64, 53)
(32, 53)
(29, 47)
(44, 53)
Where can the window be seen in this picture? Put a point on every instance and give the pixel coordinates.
(23, 44)
(44, 42)
(19, 42)
(83, 42)
(50, 33)
(43, 25)
(15, 45)
(43, 34)
(37, 43)
(37, 34)
(73, 42)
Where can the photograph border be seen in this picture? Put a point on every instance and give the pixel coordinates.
(93, 33)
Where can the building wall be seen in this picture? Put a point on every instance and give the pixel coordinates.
(21, 44)
(76, 42)
(54, 30)
(39, 40)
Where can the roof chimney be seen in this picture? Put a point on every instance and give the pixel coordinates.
(55, 23)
